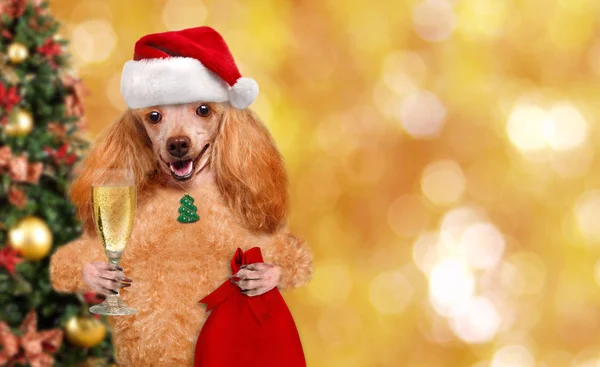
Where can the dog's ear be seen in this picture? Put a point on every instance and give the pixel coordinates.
(125, 144)
(249, 170)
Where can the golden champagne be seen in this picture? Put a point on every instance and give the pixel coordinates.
(113, 210)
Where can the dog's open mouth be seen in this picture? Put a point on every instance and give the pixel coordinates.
(184, 169)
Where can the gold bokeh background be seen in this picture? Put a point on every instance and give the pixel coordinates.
(442, 159)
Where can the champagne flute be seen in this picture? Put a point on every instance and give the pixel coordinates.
(113, 210)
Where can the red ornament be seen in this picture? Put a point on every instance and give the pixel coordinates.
(61, 156)
(5, 156)
(17, 197)
(247, 331)
(34, 171)
(74, 100)
(8, 97)
(50, 49)
(10, 343)
(18, 168)
(12, 8)
(93, 298)
(9, 259)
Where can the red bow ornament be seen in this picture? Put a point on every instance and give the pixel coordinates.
(5, 156)
(9, 259)
(50, 49)
(36, 347)
(60, 155)
(9, 97)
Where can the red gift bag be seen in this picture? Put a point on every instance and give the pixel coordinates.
(247, 331)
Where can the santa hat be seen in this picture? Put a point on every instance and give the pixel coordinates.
(190, 65)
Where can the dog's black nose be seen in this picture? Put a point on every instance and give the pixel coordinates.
(178, 146)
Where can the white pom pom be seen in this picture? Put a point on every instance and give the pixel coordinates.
(243, 93)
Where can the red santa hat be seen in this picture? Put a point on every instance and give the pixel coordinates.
(190, 65)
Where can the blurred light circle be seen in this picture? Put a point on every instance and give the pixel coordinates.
(434, 20)
(403, 71)
(594, 58)
(364, 165)
(597, 272)
(483, 245)
(526, 127)
(511, 279)
(325, 198)
(113, 91)
(587, 212)
(451, 287)
(577, 6)
(483, 18)
(573, 163)
(513, 356)
(512, 90)
(386, 101)
(588, 356)
(455, 222)
(443, 182)
(570, 32)
(566, 128)
(556, 358)
(593, 362)
(330, 140)
(180, 14)
(93, 40)
(339, 324)
(390, 292)
(262, 106)
(422, 115)
(408, 216)
(523, 273)
(436, 329)
(331, 284)
(424, 251)
(479, 324)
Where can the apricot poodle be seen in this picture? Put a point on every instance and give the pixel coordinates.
(225, 158)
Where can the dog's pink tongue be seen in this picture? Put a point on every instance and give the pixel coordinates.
(181, 168)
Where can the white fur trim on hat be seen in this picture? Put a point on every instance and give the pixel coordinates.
(243, 93)
(175, 80)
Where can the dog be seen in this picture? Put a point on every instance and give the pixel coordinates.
(225, 158)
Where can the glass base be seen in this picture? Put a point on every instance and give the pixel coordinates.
(113, 305)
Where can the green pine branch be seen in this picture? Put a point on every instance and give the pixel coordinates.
(43, 95)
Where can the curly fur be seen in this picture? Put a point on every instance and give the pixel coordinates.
(249, 171)
(124, 144)
(173, 265)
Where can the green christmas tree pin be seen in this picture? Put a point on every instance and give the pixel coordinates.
(187, 210)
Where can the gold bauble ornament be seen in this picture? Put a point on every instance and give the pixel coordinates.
(17, 52)
(20, 123)
(85, 332)
(7, 71)
(32, 237)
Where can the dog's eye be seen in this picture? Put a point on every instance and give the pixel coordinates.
(203, 111)
(154, 117)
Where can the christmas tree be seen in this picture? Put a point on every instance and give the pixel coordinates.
(41, 116)
(187, 210)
